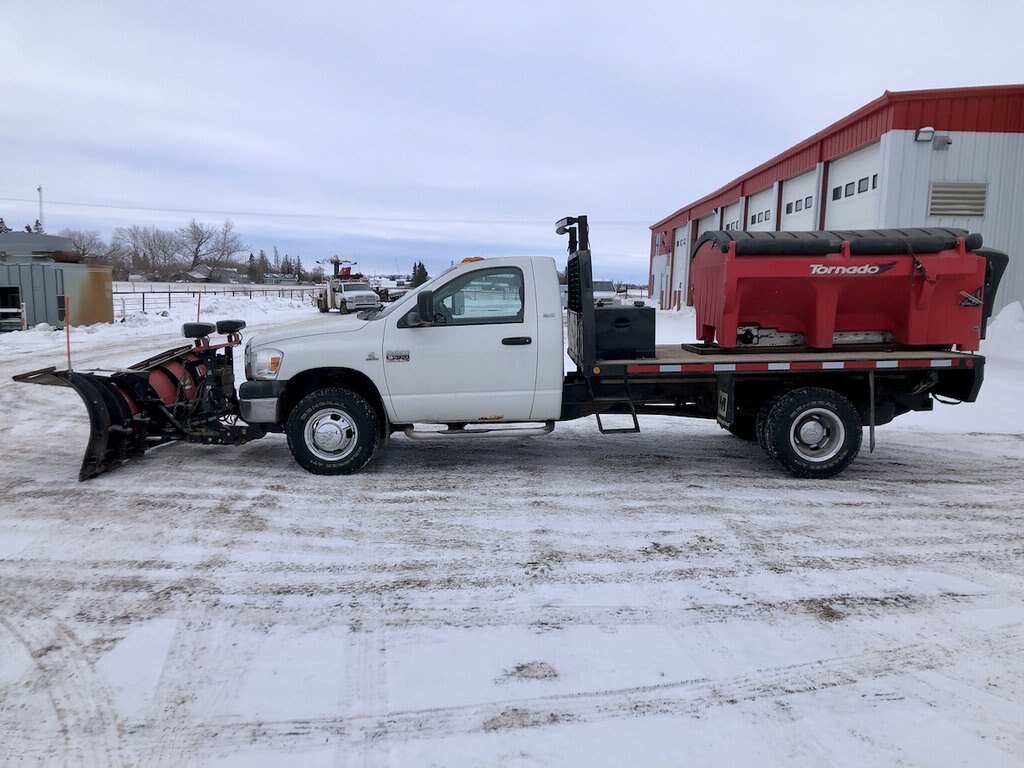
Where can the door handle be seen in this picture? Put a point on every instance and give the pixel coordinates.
(516, 341)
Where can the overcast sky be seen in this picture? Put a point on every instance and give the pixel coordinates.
(390, 132)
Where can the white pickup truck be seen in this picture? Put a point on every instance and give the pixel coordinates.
(480, 350)
(346, 296)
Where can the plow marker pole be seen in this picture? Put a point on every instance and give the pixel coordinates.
(67, 328)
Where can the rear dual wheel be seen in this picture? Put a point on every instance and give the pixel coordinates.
(811, 432)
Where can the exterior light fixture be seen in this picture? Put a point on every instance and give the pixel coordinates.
(924, 134)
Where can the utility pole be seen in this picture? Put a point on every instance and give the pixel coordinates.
(39, 189)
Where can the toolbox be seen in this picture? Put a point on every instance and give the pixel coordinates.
(624, 332)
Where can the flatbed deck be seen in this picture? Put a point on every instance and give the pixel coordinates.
(675, 358)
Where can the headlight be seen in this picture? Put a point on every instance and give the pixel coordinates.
(267, 362)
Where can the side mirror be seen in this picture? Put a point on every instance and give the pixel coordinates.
(424, 313)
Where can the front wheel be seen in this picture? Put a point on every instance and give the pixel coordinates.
(813, 432)
(332, 432)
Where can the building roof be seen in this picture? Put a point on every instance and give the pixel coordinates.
(29, 244)
(984, 109)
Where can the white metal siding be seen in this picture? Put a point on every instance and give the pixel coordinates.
(995, 159)
(680, 265)
(761, 211)
(800, 202)
(659, 277)
(707, 224)
(732, 217)
(857, 178)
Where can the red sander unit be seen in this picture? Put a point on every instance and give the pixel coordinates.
(913, 287)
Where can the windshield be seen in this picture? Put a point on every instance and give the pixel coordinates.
(355, 287)
(604, 285)
(407, 301)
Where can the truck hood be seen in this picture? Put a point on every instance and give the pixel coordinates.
(305, 330)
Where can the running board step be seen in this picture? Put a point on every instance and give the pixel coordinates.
(626, 402)
(456, 432)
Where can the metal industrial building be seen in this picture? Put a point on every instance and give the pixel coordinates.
(937, 158)
(43, 281)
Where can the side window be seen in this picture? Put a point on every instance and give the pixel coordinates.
(487, 296)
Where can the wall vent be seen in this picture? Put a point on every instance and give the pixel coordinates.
(957, 198)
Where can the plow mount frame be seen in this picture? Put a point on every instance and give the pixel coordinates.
(184, 394)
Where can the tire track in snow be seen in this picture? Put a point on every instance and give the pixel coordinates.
(89, 732)
(236, 541)
(684, 698)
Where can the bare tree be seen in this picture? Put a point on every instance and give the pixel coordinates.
(229, 243)
(88, 243)
(120, 254)
(127, 250)
(164, 248)
(146, 249)
(203, 243)
(198, 243)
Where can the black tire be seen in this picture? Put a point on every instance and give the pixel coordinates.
(762, 420)
(813, 432)
(332, 432)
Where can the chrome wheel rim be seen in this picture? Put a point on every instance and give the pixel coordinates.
(330, 434)
(817, 435)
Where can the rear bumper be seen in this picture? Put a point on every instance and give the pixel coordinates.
(257, 401)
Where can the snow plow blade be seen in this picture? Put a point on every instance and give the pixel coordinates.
(186, 393)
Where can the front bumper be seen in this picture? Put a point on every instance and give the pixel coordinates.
(257, 401)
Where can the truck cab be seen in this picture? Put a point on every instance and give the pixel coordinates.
(480, 344)
(605, 293)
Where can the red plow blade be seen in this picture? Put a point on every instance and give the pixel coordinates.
(186, 393)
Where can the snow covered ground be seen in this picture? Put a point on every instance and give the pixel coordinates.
(667, 598)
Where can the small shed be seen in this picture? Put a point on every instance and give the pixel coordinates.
(42, 280)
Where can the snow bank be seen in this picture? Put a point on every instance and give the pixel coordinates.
(1005, 337)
